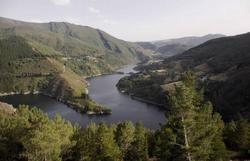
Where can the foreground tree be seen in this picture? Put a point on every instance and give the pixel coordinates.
(96, 143)
(139, 148)
(35, 136)
(86, 145)
(124, 136)
(237, 136)
(107, 149)
(192, 131)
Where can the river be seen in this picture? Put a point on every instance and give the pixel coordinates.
(103, 90)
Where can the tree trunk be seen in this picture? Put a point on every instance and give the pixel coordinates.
(186, 139)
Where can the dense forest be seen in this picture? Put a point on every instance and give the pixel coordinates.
(192, 132)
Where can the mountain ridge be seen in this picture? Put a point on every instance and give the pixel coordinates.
(174, 46)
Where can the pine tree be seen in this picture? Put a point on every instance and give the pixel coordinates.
(139, 148)
(165, 149)
(86, 143)
(237, 136)
(191, 126)
(124, 136)
(45, 139)
(34, 136)
(107, 149)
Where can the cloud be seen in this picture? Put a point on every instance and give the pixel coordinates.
(109, 22)
(93, 10)
(60, 2)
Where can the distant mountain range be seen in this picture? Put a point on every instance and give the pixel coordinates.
(170, 47)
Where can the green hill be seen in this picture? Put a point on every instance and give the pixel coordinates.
(87, 51)
(25, 70)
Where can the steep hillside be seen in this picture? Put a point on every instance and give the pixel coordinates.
(147, 45)
(222, 65)
(172, 49)
(87, 51)
(25, 70)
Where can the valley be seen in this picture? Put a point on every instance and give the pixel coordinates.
(102, 89)
(55, 58)
(72, 92)
(221, 66)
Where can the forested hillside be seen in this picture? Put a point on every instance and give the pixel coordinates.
(221, 65)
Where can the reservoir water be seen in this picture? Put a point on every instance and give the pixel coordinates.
(103, 90)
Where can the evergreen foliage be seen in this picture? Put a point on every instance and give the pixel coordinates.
(192, 132)
(192, 129)
(31, 135)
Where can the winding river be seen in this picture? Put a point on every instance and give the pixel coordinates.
(103, 90)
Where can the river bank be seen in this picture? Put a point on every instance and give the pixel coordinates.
(147, 101)
(102, 90)
(141, 99)
(75, 106)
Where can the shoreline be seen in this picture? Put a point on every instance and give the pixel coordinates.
(98, 75)
(141, 99)
(146, 101)
(106, 74)
(71, 104)
(65, 102)
(110, 73)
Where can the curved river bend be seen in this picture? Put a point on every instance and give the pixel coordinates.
(103, 90)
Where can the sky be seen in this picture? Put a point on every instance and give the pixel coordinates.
(138, 20)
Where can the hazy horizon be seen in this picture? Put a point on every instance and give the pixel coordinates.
(142, 20)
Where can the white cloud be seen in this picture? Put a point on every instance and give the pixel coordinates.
(93, 10)
(109, 22)
(60, 2)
